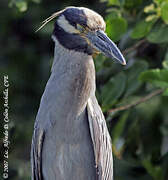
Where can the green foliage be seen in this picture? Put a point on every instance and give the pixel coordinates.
(111, 2)
(21, 5)
(148, 21)
(132, 76)
(154, 171)
(158, 34)
(132, 4)
(157, 77)
(119, 128)
(116, 27)
(164, 12)
(113, 90)
(141, 29)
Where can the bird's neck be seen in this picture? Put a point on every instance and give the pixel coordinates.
(74, 74)
(71, 62)
(64, 59)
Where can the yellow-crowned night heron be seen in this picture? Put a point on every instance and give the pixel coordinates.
(71, 139)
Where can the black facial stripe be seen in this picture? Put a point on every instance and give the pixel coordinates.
(71, 22)
(75, 16)
(71, 41)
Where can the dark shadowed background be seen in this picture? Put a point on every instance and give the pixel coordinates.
(134, 98)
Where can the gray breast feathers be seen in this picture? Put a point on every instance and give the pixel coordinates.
(101, 144)
(101, 141)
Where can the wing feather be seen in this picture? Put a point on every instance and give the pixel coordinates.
(36, 154)
(101, 140)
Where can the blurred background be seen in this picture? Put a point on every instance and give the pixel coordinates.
(134, 98)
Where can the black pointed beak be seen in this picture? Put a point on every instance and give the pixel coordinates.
(101, 42)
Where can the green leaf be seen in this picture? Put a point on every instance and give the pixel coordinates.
(157, 77)
(113, 90)
(21, 5)
(165, 64)
(164, 12)
(141, 29)
(132, 76)
(150, 8)
(159, 1)
(119, 127)
(154, 171)
(158, 34)
(116, 27)
(165, 93)
(114, 2)
(111, 2)
(152, 17)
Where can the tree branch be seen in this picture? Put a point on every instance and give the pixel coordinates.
(126, 51)
(141, 100)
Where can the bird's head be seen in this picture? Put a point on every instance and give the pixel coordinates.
(81, 29)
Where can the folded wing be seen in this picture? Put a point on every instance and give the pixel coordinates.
(101, 140)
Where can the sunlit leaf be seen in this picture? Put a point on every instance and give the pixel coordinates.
(149, 8)
(141, 29)
(157, 77)
(116, 27)
(111, 2)
(151, 18)
(159, 2)
(165, 64)
(165, 93)
(164, 12)
(21, 5)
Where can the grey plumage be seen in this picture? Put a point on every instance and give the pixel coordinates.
(71, 140)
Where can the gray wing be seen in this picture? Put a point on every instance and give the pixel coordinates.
(101, 140)
(36, 154)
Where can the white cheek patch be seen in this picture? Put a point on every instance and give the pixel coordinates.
(64, 24)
